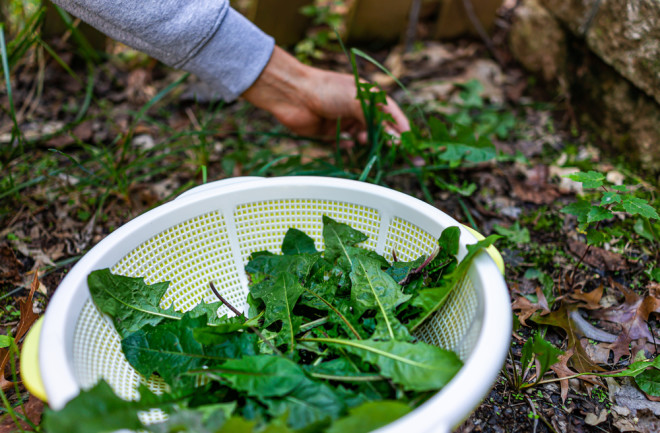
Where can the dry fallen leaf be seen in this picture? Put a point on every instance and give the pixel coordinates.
(535, 188)
(33, 410)
(593, 419)
(562, 319)
(627, 395)
(632, 315)
(598, 258)
(562, 370)
(28, 317)
(528, 308)
(10, 267)
(590, 300)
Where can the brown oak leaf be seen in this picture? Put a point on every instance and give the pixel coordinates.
(632, 316)
(598, 258)
(562, 371)
(28, 317)
(589, 300)
(562, 318)
(528, 308)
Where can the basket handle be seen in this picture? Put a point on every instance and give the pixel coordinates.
(29, 362)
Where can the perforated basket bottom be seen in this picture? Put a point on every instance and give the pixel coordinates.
(215, 247)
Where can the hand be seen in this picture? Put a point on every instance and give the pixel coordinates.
(309, 100)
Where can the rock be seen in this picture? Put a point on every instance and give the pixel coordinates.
(624, 117)
(624, 33)
(573, 13)
(537, 40)
(628, 396)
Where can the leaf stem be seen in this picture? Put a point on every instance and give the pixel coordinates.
(341, 316)
(238, 313)
(314, 323)
(369, 378)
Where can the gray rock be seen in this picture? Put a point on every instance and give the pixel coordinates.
(624, 33)
(537, 40)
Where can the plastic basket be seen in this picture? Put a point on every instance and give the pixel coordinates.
(208, 233)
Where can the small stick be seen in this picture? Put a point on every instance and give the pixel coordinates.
(472, 16)
(411, 30)
(536, 419)
(225, 302)
(238, 313)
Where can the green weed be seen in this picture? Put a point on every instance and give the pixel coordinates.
(322, 36)
(600, 207)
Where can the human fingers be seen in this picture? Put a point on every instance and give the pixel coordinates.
(400, 120)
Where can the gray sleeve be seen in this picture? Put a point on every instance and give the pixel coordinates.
(205, 37)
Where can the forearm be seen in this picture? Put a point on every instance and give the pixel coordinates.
(205, 37)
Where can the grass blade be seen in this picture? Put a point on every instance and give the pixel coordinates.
(15, 132)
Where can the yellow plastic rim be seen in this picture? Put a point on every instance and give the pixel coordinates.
(30, 362)
(491, 250)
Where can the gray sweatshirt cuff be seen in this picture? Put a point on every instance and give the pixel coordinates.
(233, 58)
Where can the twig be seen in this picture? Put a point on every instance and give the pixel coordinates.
(655, 345)
(411, 30)
(469, 9)
(536, 416)
(238, 313)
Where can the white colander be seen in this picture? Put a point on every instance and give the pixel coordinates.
(208, 234)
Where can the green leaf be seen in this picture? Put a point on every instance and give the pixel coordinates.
(99, 410)
(597, 213)
(417, 367)
(262, 375)
(436, 299)
(609, 198)
(465, 147)
(280, 296)
(596, 237)
(515, 233)
(399, 271)
(310, 406)
(591, 179)
(297, 242)
(655, 274)
(580, 209)
(237, 425)
(638, 206)
(337, 237)
(204, 419)
(5, 341)
(372, 288)
(218, 325)
(130, 302)
(635, 368)
(649, 382)
(644, 229)
(370, 416)
(271, 265)
(432, 298)
(169, 349)
(545, 353)
(390, 328)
